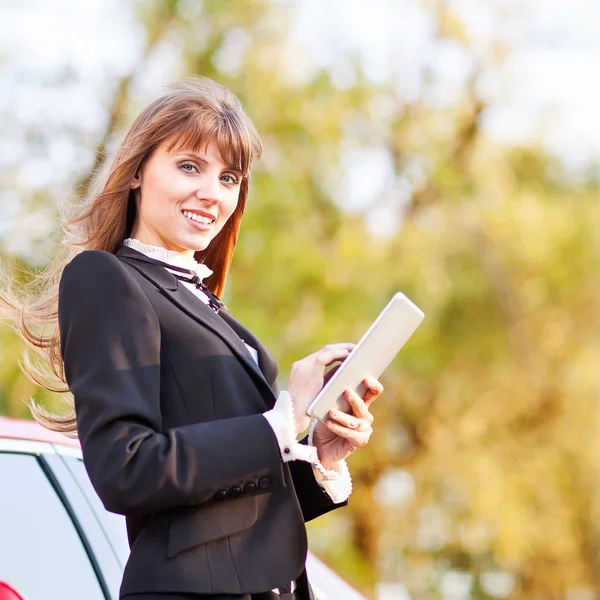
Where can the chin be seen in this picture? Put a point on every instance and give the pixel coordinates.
(195, 245)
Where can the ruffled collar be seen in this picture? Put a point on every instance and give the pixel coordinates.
(177, 259)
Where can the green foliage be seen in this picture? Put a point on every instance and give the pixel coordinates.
(491, 409)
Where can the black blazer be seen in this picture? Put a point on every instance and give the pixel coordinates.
(168, 402)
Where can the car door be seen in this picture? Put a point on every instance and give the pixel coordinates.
(44, 552)
(58, 542)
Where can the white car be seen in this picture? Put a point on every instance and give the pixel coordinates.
(57, 541)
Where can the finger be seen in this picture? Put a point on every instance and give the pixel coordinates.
(356, 439)
(333, 353)
(349, 421)
(348, 345)
(359, 408)
(339, 346)
(334, 369)
(374, 390)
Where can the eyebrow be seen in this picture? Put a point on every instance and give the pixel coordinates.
(205, 162)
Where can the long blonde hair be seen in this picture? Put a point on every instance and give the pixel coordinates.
(193, 112)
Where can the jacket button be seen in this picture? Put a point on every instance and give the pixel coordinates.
(235, 491)
(250, 488)
(263, 483)
(221, 495)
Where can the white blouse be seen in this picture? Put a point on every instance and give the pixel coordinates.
(336, 481)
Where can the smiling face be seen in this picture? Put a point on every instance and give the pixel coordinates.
(184, 198)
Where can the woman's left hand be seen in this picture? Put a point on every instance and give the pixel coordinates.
(344, 433)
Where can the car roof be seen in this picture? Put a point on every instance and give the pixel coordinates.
(20, 429)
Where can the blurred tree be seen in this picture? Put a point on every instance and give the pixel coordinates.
(483, 469)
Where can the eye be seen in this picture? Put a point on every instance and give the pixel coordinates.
(188, 167)
(231, 179)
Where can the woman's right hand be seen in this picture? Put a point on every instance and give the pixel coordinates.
(307, 378)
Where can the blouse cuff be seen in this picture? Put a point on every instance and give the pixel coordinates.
(335, 481)
(282, 421)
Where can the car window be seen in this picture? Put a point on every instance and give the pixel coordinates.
(113, 525)
(100, 548)
(41, 554)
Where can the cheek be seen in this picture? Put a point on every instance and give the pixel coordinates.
(230, 204)
(167, 181)
(162, 192)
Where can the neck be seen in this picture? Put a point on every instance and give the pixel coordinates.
(173, 257)
(158, 242)
(185, 256)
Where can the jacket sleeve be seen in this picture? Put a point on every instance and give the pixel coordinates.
(110, 343)
(313, 498)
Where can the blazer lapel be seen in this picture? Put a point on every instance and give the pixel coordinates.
(266, 361)
(194, 307)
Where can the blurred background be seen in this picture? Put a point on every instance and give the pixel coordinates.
(446, 149)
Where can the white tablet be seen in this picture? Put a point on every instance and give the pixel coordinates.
(371, 356)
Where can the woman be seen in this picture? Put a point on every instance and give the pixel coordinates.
(182, 428)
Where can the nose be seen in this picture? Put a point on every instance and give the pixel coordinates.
(210, 190)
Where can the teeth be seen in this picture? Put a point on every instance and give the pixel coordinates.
(198, 218)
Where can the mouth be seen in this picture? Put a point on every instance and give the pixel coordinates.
(199, 218)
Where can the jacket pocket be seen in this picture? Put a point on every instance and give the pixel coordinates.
(194, 527)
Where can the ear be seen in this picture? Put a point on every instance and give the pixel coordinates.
(137, 180)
